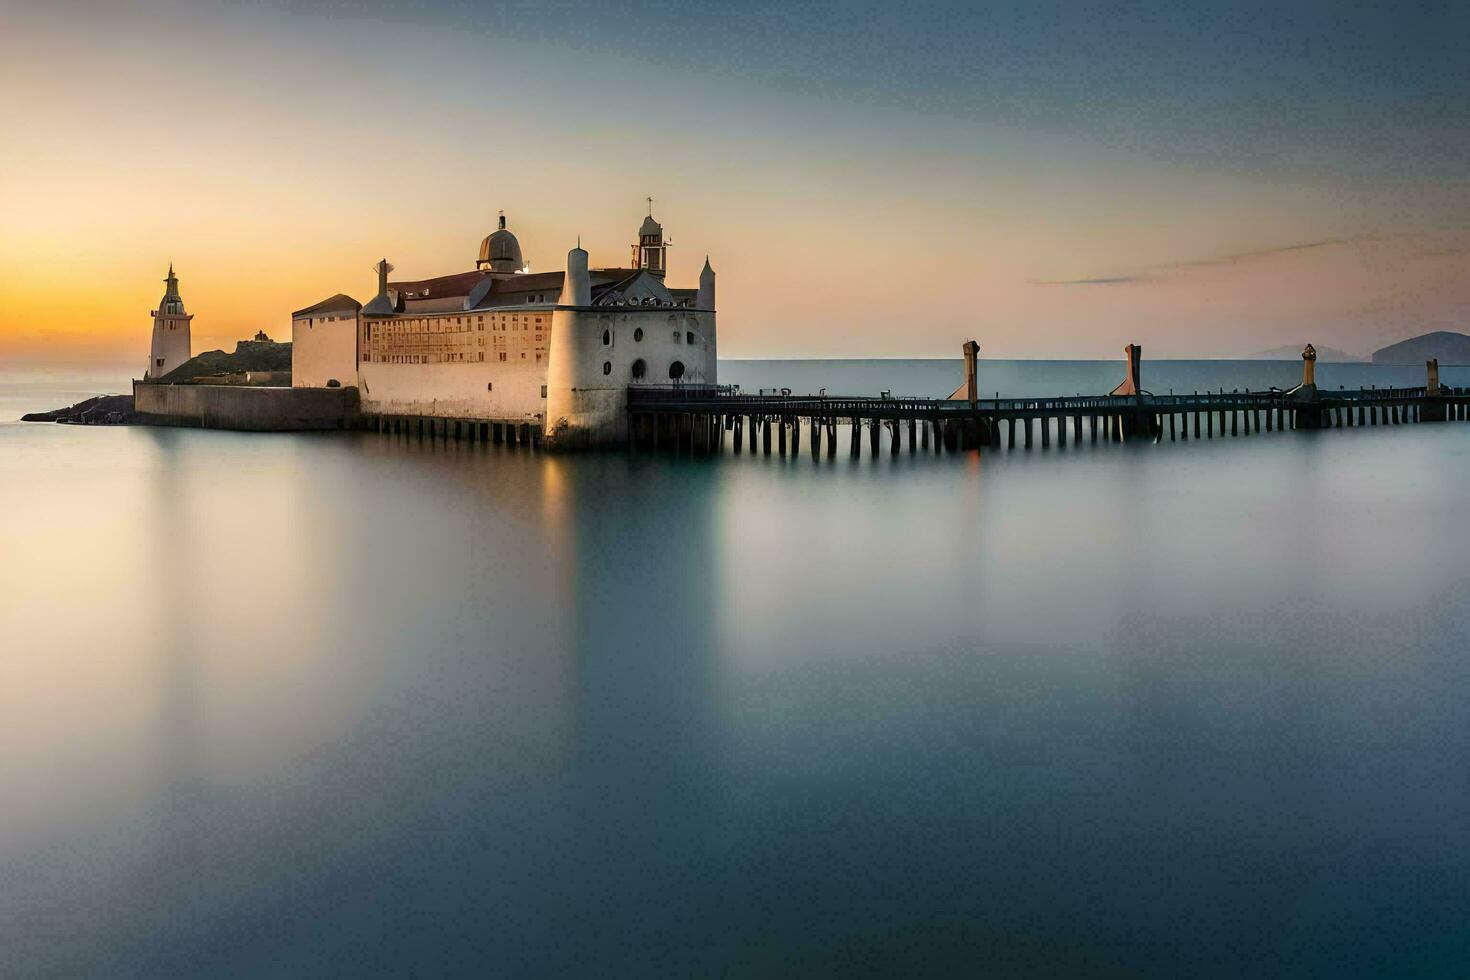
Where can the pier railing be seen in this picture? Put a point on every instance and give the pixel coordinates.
(730, 400)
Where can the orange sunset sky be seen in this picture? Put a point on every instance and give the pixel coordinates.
(272, 152)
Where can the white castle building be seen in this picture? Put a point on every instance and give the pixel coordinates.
(171, 345)
(558, 350)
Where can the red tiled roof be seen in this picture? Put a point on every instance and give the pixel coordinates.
(458, 284)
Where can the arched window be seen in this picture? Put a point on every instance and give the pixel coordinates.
(607, 338)
(607, 367)
(638, 335)
(689, 337)
(639, 368)
(676, 370)
(678, 336)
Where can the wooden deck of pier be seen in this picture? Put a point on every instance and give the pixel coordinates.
(697, 418)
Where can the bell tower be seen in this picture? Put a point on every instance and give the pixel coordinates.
(171, 345)
(651, 252)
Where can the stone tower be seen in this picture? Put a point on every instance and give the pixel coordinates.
(171, 344)
(651, 252)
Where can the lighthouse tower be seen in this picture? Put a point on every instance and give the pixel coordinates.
(171, 346)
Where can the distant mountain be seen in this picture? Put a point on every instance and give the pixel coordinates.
(1293, 352)
(1448, 346)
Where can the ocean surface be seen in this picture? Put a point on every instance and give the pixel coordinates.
(343, 704)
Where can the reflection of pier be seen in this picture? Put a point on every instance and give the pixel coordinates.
(696, 419)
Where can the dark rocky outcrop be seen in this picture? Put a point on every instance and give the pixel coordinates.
(264, 357)
(1448, 346)
(98, 410)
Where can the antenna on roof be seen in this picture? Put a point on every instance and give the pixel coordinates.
(650, 207)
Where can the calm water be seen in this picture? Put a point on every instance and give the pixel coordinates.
(349, 704)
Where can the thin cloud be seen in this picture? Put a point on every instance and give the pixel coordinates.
(1101, 281)
(1260, 253)
(1162, 270)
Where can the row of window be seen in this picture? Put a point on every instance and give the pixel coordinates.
(447, 357)
(679, 336)
(639, 369)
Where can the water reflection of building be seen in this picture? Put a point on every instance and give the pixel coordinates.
(500, 342)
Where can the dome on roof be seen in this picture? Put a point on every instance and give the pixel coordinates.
(500, 251)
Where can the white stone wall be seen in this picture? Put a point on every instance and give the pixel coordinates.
(501, 390)
(593, 355)
(324, 348)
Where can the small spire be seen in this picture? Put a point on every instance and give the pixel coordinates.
(579, 241)
(170, 269)
(650, 207)
(502, 219)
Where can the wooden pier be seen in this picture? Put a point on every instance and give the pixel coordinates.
(699, 419)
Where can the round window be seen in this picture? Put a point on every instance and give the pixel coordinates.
(607, 367)
(676, 370)
(638, 334)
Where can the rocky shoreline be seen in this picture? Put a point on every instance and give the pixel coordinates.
(97, 410)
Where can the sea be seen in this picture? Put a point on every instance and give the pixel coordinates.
(342, 704)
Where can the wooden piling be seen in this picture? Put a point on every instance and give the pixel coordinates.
(913, 440)
(1027, 423)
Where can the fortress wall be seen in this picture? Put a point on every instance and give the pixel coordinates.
(246, 408)
(505, 390)
(594, 353)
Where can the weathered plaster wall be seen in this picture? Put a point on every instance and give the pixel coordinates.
(594, 353)
(503, 390)
(324, 348)
(250, 409)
